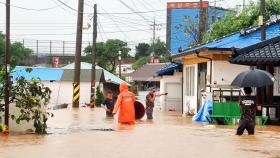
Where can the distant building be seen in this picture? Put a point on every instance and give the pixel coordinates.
(145, 77)
(126, 70)
(181, 16)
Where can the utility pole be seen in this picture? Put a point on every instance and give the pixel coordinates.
(79, 35)
(243, 4)
(261, 91)
(262, 20)
(155, 27)
(93, 70)
(7, 67)
(154, 34)
(201, 22)
(215, 4)
(120, 63)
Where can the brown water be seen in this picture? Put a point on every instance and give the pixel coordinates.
(79, 134)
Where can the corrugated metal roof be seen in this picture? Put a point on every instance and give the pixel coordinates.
(169, 69)
(85, 76)
(236, 40)
(45, 74)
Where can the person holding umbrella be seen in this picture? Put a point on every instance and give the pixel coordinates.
(248, 112)
(248, 106)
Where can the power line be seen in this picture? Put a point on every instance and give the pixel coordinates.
(32, 9)
(127, 6)
(135, 12)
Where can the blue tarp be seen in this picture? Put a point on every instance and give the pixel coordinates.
(205, 110)
(169, 69)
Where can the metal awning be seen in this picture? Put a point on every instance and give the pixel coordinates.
(169, 69)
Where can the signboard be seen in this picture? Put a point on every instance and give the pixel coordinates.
(178, 5)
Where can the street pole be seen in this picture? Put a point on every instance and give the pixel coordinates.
(201, 22)
(93, 68)
(120, 63)
(261, 91)
(7, 67)
(79, 35)
(154, 34)
(262, 20)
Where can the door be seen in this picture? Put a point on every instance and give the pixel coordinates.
(173, 101)
(201, 87)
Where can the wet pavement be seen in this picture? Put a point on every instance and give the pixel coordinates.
(86, 133)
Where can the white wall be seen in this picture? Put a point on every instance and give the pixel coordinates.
(173, 94)
(224, 72)
(62, 92)
(190, 102)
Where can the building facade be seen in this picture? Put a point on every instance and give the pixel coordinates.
(183, 22)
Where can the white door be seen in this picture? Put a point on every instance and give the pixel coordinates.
(173, 101)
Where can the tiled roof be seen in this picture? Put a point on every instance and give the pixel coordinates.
(147, 72)
(238, 40)
(266, 52)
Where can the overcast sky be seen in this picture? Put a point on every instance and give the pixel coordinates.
(59, 23)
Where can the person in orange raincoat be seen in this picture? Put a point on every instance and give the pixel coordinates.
(125, 103)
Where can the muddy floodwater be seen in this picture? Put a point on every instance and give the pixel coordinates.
(86, 133)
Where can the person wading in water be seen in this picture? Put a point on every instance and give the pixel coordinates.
(150, 102)
(248, 113)
(125, 103)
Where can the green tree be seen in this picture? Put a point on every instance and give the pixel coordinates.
(30, 97)
(160, 48)
(99, 97)
(191, 29)
(18, 52)
(107, 53)
(140, 62)
(246, 18)
(142, 50)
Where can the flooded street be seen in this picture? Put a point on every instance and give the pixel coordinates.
(86, 133)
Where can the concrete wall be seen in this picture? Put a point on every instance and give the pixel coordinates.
(173, 86)
(224, 72)
(62, 92)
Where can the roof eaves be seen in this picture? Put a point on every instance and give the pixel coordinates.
(256, 46)
(248, 31)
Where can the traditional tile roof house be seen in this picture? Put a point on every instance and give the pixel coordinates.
(264, 55)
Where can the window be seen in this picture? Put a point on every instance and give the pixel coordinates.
(190, 72)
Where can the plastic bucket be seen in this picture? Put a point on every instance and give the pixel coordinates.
(139, 110)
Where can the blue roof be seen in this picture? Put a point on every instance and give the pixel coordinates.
(45, 74)
(237, 40)
(169, 69)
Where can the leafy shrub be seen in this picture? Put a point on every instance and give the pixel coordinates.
(99, 97)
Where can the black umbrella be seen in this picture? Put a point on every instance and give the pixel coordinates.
(253, 78)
